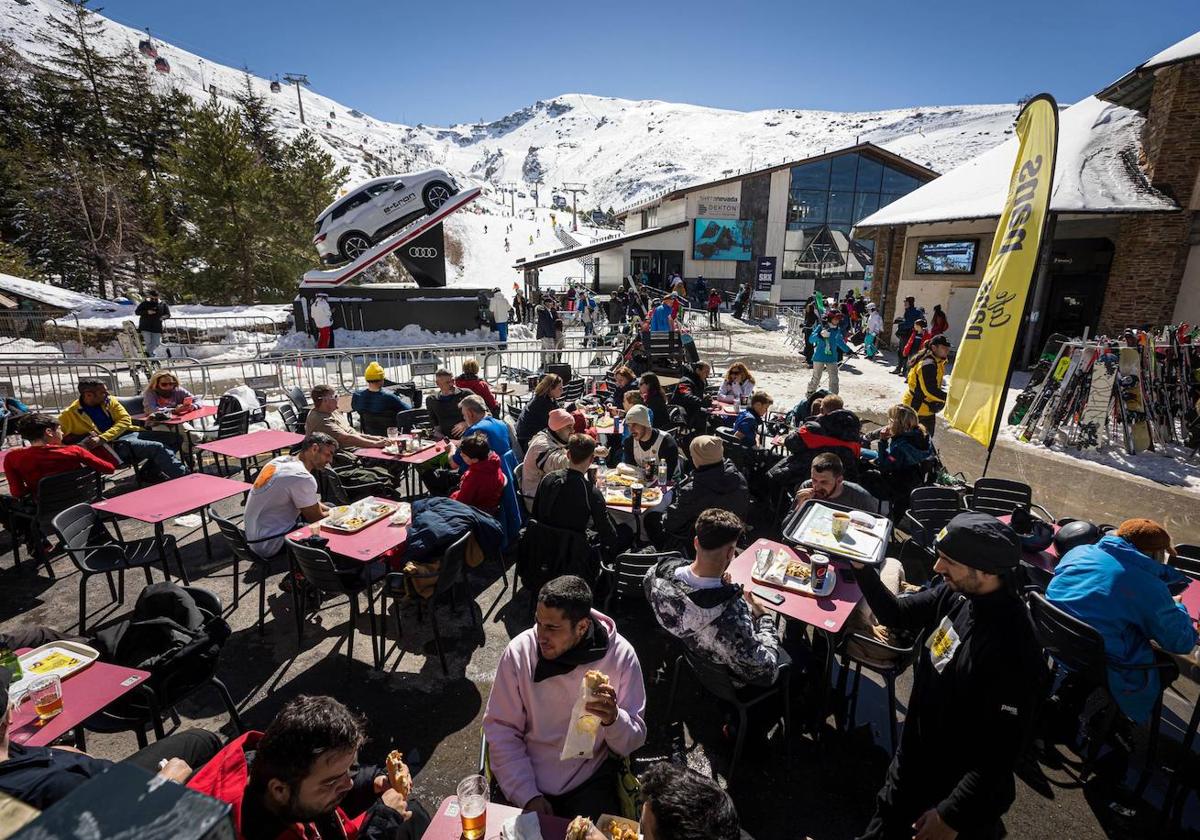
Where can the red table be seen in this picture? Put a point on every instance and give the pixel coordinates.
(251, 445)
(155, 505)
(179, 419)
(1191, 599)
(828, 614)
(447, 825)
(412, 460)
(1046, 559)
(84, 693)
(362, 546)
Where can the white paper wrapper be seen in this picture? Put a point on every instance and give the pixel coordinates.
(581, 736)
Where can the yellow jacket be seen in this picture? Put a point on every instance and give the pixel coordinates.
(925, 393)
(74, 420)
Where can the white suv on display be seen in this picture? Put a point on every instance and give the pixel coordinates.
(371, 212)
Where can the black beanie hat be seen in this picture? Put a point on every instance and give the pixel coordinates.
(980, 541)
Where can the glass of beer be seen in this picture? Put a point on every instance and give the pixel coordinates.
(46, 695)
(472, 806)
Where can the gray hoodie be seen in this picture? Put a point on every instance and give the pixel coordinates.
(716, 623)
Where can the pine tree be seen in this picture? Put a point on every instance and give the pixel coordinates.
(259, 126)
(80, 61)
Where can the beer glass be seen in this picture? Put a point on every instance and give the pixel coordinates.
(46, 695)
(472, 806)
(393, 434)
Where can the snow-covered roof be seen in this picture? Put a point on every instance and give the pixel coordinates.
(1096, 172)
(1189, 47)
(50, 295)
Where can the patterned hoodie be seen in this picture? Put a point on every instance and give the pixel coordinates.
(716, 623)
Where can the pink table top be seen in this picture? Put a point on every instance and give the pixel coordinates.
(730, 409)
(828, 613)
(418, 458)
(1191, 599)
(254, 443)
(179, 419)
(172, 498)
(364, 545)
(84, 693)
(447, 825)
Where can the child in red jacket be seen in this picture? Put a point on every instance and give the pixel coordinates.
(482, 485)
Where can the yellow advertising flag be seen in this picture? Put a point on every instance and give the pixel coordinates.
(983, 365)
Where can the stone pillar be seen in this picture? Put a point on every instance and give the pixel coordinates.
(1152, 248)
(888, 264)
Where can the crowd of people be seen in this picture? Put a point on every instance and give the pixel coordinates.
(729, 465)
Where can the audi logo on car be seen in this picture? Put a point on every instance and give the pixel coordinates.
(422, 253)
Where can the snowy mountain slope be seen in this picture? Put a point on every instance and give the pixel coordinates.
(623, 150)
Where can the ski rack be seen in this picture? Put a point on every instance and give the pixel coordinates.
(329, 278)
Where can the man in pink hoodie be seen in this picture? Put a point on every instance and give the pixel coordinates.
(529, 710)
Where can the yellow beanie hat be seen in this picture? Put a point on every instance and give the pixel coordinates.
(374, 372)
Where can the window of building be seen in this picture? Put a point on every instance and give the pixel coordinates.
(827, 198)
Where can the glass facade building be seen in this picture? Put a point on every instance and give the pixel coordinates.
(825, 200)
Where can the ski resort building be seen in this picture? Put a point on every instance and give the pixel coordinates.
(1124, 232)
(798, 214)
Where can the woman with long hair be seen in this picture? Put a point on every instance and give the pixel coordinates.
(738, 384)
(536, 415)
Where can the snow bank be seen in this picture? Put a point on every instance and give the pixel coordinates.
(410, 336)
(199, 315)
(48, 294)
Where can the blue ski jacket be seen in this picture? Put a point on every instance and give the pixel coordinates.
(1123, 594)
(825, 349)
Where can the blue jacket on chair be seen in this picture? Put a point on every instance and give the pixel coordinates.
(1123, 595)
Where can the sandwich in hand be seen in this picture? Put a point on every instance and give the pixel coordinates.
(595, 679)
(579, 829)
(397, 773)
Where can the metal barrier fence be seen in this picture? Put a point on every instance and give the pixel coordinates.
(195, 331)
(47, 327)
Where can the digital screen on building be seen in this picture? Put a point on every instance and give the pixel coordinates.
(957, 257)
(723, 239)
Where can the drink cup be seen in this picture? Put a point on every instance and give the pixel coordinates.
(818, 570)
(472, 807)
(314, 528)
(593, 471)
(840, 524)
(46, 695)
(636, 495)
(393, 434)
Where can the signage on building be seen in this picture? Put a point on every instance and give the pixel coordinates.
(718, 207)
(764, 274)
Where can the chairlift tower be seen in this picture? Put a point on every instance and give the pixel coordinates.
(297, 79)
(574, 189)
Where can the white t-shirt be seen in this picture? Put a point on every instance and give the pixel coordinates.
(686, 575)
(282, 488)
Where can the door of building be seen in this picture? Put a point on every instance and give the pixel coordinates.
(1078, 280)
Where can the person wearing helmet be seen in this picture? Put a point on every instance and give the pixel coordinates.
(975, 687)
(874, 329)
(1122, 587)
(925, 394)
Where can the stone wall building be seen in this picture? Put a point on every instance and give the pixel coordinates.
(1124, 234)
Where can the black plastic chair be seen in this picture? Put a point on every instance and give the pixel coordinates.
(451, 575)
(573, 391)
(174, 679)
(716, 681)
(291, 420)
(94, 552)
(930, 509)
(1077, 647)
(230, 424)
(55, 493)
(1187, 560)
(626, 575)
(320, 573)
(243, 551)
(736, 450)
(526, 501)
(298, 398)
(375, 423)
(1000, 496)
(901, 659)
(414, 418)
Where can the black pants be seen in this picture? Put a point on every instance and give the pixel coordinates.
(714, 319)
(929, 423)
(441, 481)
(596, 796)
(195, 746)
(903, 798)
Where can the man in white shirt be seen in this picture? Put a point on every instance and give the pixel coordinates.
(500, 309)
(285, 490)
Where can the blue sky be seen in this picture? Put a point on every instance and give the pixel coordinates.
(445, 62)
